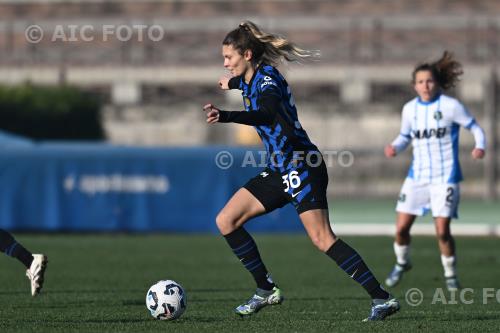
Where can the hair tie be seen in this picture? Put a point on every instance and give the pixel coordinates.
(243, 26)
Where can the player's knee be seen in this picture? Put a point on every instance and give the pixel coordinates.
(225, 223)
(444, 235)
(322, 242)
(320, 246)
(403, 232)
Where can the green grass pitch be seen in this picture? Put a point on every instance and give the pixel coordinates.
(98, 283)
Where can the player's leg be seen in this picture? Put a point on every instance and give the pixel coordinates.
(414, 200)
(309, 197)
(445, 239)
(444, 200)
(317, 225)
(404, 222)
(240, 208)
(35, 263)
(447, 249)
(10, 247)
(401, 245)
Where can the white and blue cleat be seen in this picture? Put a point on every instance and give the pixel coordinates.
(396, 274)
(261, 299)
(382, 308)
(452, 283)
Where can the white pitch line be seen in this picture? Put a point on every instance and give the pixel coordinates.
(370, 229)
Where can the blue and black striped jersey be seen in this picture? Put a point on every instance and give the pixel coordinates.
(270, 108)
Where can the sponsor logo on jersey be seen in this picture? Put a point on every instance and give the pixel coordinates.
(429, 133)
(268, 81)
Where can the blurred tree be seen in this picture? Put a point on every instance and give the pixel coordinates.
(40, 112)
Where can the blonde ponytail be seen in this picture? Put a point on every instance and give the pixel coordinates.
(268, 48)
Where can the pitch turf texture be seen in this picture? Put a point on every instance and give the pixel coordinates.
(97, 283)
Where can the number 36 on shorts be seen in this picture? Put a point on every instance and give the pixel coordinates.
(292, 180)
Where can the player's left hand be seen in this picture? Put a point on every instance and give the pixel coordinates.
(212, 113)
(390, 151)
(477, 153)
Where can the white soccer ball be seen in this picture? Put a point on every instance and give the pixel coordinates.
(166, 300)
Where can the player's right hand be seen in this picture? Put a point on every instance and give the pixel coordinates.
(390, 151)
(224, 82)
(212, 113)
(477, 153)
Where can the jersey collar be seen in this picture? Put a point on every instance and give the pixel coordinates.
(254, 74)
(420, 101)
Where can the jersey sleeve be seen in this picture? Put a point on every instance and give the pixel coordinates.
(268, 85)
(268, 101)
(234, 82)
(404, 137)
(268, 109)
(479, 136)
(462, 117)
(255, 118)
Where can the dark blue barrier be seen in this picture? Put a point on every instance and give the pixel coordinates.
(98, 187)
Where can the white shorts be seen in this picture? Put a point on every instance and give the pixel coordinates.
(418, 198)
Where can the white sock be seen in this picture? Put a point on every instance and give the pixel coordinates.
(402, 253)
(449, 265)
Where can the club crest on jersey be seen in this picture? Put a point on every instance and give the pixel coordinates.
(438, 115)
(247, 102)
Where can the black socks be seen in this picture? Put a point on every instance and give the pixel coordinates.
(12, 248)
(351, 262)
(346, 257)
(245, 249)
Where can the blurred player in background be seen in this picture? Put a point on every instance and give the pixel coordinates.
(431, 122)
(35, 263)
(251, 56)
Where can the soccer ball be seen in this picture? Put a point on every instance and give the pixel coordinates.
(166, 300)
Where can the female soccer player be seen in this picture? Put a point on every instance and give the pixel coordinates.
(432, 121)
(35, 263)
(251, 56)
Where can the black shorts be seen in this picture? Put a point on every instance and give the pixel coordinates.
(304, 187)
